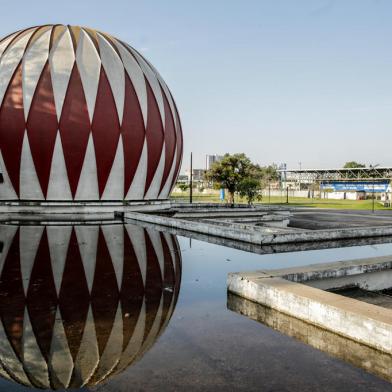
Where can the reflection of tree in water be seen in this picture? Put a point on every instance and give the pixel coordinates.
(79, 304)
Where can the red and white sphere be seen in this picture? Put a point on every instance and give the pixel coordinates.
(83, 116)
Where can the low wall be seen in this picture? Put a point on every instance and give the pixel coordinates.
(359, 321)
(268, 236)
(309, 194)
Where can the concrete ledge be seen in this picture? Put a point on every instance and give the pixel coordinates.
(266, 236)
(11, 208)
(365, 323)
(360, 355)
(266, 248)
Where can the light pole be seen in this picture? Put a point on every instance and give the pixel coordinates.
(269, 191)
(300, 174)
(191, 184)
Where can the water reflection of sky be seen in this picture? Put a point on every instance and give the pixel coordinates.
(207, 347)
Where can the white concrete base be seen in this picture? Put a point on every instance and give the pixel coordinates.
(55, 208)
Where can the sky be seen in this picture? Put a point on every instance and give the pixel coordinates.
(304, 82)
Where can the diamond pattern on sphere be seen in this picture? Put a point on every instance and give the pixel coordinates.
(154, 136)
(74, 290)
(105, 141)
(34, 61)
(153, 287)
(133, 133)
(105, 293)
(179, 146)
(78, 339)
(61, 60)
(12, 128)
(84, 93)
(74, 129)
(168, 279)
(42, 128)
(42, 297)
(132, 291)
(13, 303)
(170, 140)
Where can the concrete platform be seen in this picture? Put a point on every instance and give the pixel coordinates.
(259, 235)
(263, 249)
(285, 291)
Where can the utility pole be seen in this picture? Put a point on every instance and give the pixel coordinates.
(191, 183)
(269, 191)
(287, 195)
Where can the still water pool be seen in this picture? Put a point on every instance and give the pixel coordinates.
(123, 308)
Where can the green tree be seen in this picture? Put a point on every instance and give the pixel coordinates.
(183, 186)
(353, 165)
(238, 174)
(250, 188)
(229, 172)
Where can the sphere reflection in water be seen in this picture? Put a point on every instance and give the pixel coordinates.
(79, 304)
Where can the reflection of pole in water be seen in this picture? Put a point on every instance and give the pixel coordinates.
(90, 300)
(190, 243)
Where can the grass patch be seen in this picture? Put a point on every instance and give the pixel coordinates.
(293, 201)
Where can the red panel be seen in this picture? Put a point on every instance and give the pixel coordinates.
(104, 294)
(42, 128)
(132, 290)
(154, 135)
(12, 303)
(12, 127)
(178, 266)
(74, 129)
(169, 278)
(133, 133)
(74, 297)
(154, 287)
(179, 147)
(106, 130)
(42, 297)
(170, 140)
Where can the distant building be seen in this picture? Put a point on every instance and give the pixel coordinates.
(210, 159)
(197, 175)
(183, 178)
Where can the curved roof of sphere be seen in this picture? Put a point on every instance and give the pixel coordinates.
(83, 116)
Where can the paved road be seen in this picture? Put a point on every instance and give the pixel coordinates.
(334, 219)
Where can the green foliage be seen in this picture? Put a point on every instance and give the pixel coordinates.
(353, 164)
(183, 186)
(237, 173)
(229, 172)
(250, 189)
